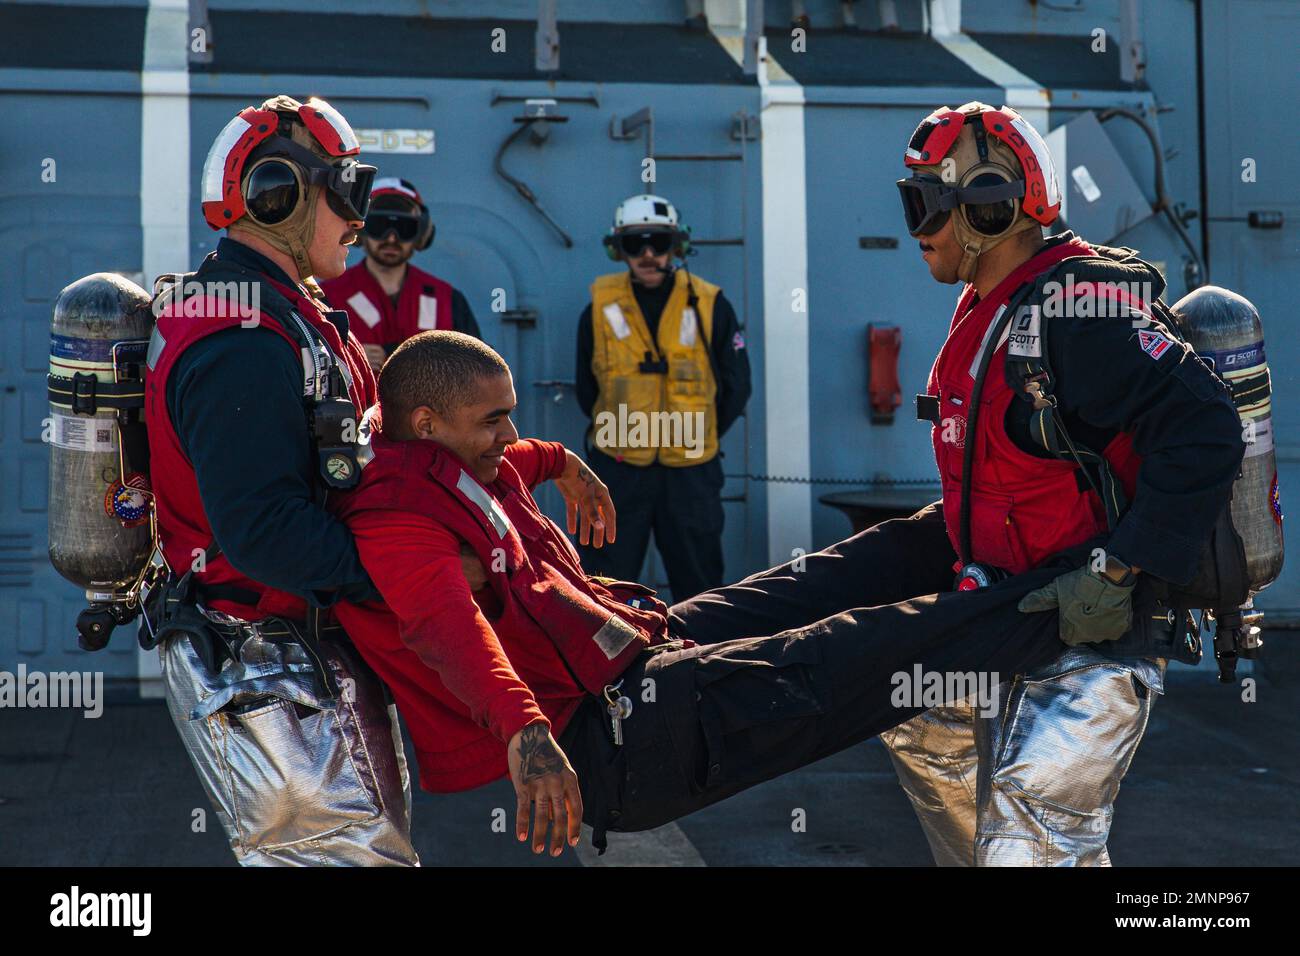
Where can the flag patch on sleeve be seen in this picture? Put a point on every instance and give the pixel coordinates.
(1153, 343)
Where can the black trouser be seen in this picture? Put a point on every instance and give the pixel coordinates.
(806, 667)
(682, 506)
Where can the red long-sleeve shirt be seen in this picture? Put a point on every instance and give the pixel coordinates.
(459, 688)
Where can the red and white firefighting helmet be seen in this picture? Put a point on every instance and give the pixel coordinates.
(989, 166)
(938, 133)
(228, 189)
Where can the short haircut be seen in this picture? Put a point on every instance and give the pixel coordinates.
(439, 369)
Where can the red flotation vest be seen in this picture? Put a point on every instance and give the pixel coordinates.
(1023, 508)
(183, 527)
(423, 304)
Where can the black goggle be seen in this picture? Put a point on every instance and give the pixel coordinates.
(347, 188)
(633, 242)
(404, 224)
(347, 185)
(275, 188)
(926, 204)
(928, 200)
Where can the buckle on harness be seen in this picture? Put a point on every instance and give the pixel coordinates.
(1034, 389)
(83, 393)
(653, 366)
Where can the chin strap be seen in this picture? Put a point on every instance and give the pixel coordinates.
(969, 263)
(974, 243)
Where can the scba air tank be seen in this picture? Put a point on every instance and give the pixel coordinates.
(99, 529)
(1224, 329)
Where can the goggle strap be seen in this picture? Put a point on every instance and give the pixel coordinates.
(979, 195)
(285, 147)
(945, 198)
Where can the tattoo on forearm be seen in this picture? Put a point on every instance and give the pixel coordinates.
(538, 754)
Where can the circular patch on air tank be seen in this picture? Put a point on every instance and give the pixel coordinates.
(128, 501)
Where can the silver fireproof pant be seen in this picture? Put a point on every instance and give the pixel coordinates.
(296, 780)
(1035, 783)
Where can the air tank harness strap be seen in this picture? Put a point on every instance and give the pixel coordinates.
(171, 610)
(1031, 378)
(282, 630)
(219, 641)
(1049, 432)
(172, 607)
(85, 394)
(1003, 320)
(1034, 379)
(1250, 391)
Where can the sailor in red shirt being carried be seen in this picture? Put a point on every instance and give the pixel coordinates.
(577, 686)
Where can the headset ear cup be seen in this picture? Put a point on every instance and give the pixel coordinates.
(684, 242)
(611, 248)
(989, 219)
(424, 239)
(268, 197)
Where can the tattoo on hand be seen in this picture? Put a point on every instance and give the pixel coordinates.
(538, 754)
(586, 474)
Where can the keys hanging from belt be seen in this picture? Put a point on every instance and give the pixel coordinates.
(619, 709)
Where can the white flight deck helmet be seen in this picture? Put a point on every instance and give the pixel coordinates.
(646, 214)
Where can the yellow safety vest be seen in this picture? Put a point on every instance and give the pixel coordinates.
(642, 417)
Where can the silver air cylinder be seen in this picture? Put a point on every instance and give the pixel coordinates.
(99, 528)
(1224, 329)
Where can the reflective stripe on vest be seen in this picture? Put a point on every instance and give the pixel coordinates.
(476, 493)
